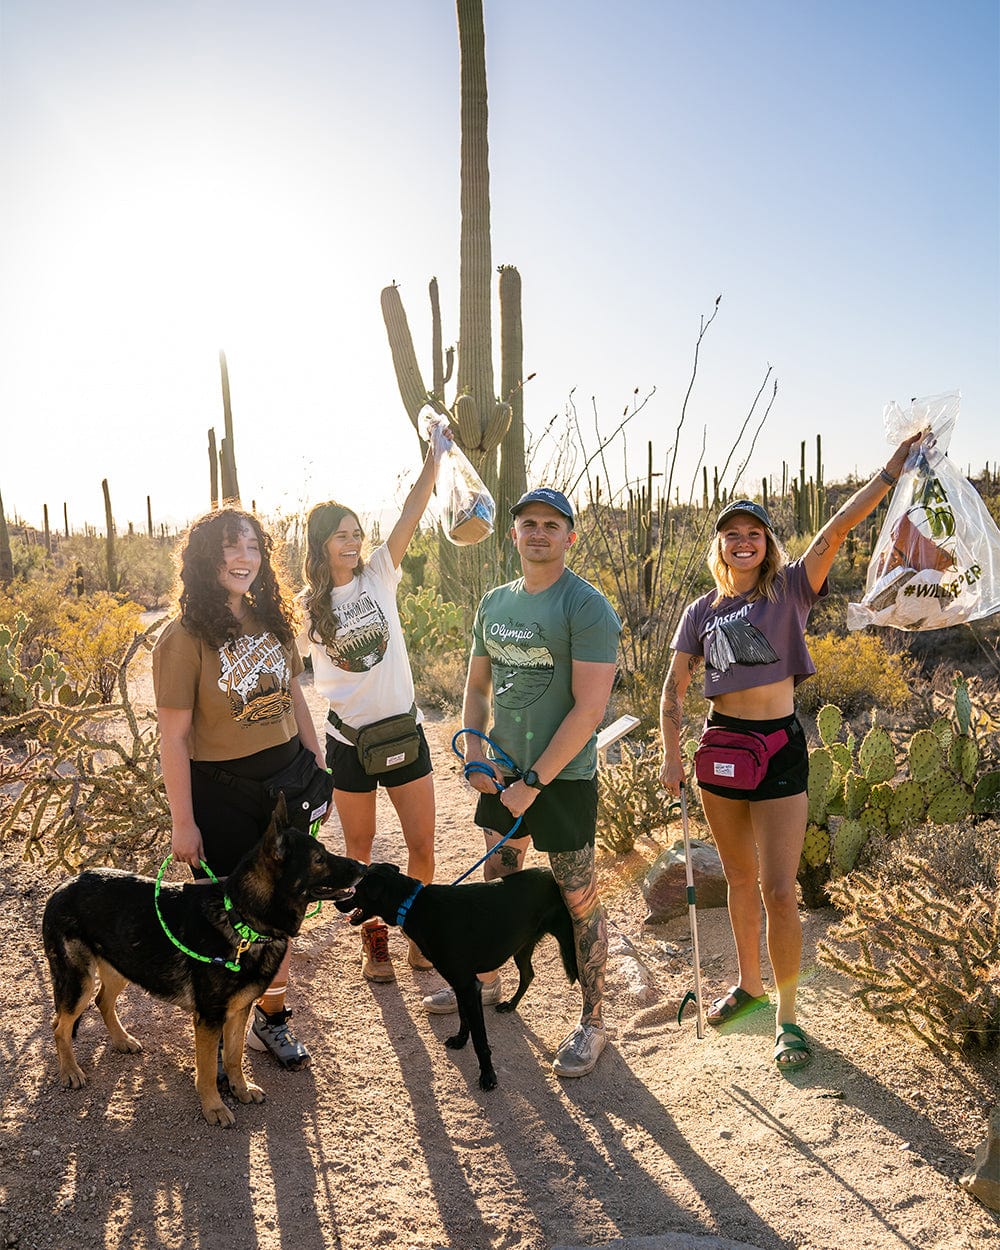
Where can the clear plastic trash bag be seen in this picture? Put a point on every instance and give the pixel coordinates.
(937, 559)
(466, 509)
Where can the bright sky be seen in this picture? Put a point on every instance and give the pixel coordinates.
(183, 176)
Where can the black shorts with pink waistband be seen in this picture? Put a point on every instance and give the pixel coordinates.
(788, 768)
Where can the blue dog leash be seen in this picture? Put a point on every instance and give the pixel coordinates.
(479, 766)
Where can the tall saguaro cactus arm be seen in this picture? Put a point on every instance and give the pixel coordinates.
(404, 358)
(475, 337)
(230, 485)
(512, 479)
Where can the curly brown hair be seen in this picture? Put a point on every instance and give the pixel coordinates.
(769, 581)
(323, 520)
(204, 603)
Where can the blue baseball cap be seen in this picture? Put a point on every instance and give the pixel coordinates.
(744, 505)
(545, 494)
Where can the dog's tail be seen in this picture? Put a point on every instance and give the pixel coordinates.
(561, 927)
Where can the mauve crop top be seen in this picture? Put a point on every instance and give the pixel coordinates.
(751, 644)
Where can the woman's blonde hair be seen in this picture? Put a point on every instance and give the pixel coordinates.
(769, 574)
(323, 520)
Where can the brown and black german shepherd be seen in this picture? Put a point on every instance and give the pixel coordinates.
(103, 923)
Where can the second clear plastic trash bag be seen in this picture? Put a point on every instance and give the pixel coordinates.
(937, 559)
(465, 507)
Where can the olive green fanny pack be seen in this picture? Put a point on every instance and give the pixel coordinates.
(384, 745)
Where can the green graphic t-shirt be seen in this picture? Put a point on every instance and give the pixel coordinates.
(531, 641)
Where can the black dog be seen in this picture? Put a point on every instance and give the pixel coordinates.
(465, 929)
(104, 923)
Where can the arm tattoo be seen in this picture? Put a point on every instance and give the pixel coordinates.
(821, 545)
(670, 704)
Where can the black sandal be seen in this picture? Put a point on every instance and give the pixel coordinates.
(791, 1042)
(734, 1003)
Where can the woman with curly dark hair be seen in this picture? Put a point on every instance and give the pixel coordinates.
(231, 711)
(361, 666)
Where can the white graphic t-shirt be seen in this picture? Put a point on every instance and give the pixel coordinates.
(365, 671)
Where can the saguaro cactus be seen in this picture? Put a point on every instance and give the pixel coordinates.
(490, 431)
(227, 456)
(6, 559)
(109, 540)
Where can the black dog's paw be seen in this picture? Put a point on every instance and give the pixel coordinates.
(505, 1007)
(488, 1080)
(456, 1042)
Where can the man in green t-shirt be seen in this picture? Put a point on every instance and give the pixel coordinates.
(541, 668)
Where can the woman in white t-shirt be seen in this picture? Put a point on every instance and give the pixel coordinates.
(361, 666)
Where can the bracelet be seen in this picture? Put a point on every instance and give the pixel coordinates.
(887, 477)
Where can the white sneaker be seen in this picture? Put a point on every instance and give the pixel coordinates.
(578, 1054)
(443, 1002)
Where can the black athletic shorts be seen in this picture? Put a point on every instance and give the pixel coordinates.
(231, 822)
(342, 760)
(788, 768)
(562, 818)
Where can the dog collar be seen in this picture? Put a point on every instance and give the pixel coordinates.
(405, 906)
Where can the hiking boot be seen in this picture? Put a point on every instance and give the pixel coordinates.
(578, 1054)
(273, 1032)
(375, 962)
(443, 1002)
(417, 959)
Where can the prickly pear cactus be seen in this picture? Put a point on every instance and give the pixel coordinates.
(847, 844)
(881, 796)
(963, 757)
(816, 847)
(950, 804)
(986, 799)
(876, 756)
(874, 820)
(944, 730)
(821, 771)
(963, 705)
(925, 755)
(829, 720)
(856, 791)
(909, 803)
(843, 756)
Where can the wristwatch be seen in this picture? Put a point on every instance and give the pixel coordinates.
(531, 778)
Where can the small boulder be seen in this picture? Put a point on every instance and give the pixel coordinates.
(983, 1179)
(665, 885)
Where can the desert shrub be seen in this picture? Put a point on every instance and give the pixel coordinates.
(90, 789)
(965, 855)
(40, 601)
(145, 566)
(92, 636)
(439, 678)
(854, 673)
(924, 956)
(631, 801)
(24, 684)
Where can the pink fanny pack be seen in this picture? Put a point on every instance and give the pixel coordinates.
(736, 758)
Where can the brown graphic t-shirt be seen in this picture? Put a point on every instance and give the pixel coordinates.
(240, 693)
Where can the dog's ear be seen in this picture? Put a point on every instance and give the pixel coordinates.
(280, 814)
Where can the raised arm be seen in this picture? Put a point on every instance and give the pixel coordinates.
(413, 509)
(819, 557)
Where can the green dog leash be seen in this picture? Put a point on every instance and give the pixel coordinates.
(248, 937)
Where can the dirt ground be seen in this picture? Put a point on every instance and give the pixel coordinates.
(386, 1140)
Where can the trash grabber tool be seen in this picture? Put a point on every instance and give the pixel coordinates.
(693, 917)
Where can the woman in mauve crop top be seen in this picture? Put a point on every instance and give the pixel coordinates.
(750, 635)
